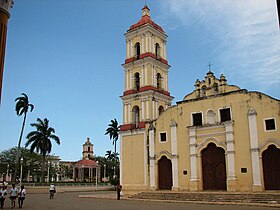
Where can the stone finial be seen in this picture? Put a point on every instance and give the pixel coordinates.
(173, 123)
(252, 112)
(6, 5)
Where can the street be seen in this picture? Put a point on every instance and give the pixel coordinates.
(71, 201)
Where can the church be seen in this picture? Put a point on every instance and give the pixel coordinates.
(218, 137)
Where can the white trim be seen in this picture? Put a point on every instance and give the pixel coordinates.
(219, 114)
(196, 113)
(146, 74)
(156, 109)
(269, 118)
(143, 109)
(193, 156)
(230, 151)
(128, 113)
(253, 132)
(159, 140)
(206, 116)
(152, 158)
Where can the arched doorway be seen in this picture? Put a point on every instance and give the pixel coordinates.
(164, 174)
(271, 168)
(213, 168)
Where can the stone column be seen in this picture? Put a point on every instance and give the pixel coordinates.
(143, 43)
(152, 157)
(231, 177)
(193, 159)
(147, 108)
(143, 109)
(252, 118)
(174, 152)
(156, 109)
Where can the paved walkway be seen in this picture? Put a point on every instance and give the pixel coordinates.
(69, 197)
(72, 201)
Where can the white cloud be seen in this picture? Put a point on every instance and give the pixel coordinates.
(246, 31)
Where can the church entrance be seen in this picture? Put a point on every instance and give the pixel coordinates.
(271, 168)
(165, 174)
(213, 168)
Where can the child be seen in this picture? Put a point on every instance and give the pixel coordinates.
(21, 196)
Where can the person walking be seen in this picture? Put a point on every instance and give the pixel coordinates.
(13, 195)
(52, 191)
(21, 196)
(3, 195)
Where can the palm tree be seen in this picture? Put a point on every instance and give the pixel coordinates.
(41, 140)
(109, 155)
(113, 130)
(22, 107)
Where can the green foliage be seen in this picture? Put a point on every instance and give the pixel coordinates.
(114, 182)
(113, 131)
(22, 105)
(31, 162)
(21, 108)
(40, 140)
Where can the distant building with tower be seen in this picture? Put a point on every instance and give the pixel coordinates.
(86, 169)
(219, 137)
(5, 6)
(88, 150)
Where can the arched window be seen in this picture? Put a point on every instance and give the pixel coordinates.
(157, 51)
(204, 90)
(137, 81)
(216, 88)
(137, 50)
(135, 116)
(211, 115)
(159, 81)
(160, 110)
(88, 149)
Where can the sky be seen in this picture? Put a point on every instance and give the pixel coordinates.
(66, 56)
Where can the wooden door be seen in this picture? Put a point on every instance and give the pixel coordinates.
(271, 168)
(165, 173)
(213, 168)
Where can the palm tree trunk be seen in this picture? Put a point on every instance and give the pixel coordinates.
(18, 148)
(115, 158)
(43, 168)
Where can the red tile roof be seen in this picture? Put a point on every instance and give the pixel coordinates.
(146, 19)
(86, 162)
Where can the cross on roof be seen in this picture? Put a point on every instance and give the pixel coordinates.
(209, 66)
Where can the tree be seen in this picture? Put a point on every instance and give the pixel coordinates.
(41, 140)
(113, 130)
(31, 162)
(109, 155)
(22, 107)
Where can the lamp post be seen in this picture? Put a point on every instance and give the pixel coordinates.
(114, 172)
(48, 179)
(104, 172)
(7, 175)
(96, 175)
(21, 162)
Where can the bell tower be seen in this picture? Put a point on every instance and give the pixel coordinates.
(5, 6)
(146, 93)
(88, 150)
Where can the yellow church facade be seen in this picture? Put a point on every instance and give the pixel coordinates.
(219, 137)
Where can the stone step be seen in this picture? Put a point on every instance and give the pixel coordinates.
(257, 198)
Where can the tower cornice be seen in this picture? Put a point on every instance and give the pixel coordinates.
(144, 59)
(6, 5)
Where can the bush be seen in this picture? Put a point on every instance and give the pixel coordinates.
(114, 182)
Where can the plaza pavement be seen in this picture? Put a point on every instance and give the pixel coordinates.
(83, 198)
